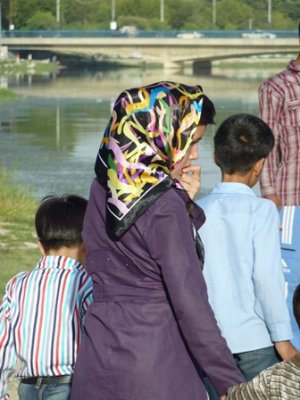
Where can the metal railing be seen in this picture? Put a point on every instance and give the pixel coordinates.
(138, 33)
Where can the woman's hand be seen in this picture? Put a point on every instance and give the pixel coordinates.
(190, 179)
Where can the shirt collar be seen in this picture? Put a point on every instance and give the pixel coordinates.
(293, 66)
(233, 187)
(59, 262)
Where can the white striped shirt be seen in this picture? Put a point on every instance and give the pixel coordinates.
(279, 106)
(41, 319)
(279, 382)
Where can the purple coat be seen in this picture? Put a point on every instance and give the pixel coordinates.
(150, 323)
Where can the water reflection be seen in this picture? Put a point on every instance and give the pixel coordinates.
(49, 138)
(104, 85)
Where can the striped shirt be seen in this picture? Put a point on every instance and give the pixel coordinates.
(279, 382)
(41, 319)
(279, 104)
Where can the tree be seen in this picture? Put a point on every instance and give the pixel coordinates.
(24, 11)
(233, 14)
(80, 13)
(41, 20)
(138, 22)
(179, 14)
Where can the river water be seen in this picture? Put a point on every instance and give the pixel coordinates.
(50, 136)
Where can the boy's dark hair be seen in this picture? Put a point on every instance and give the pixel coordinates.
(296, 304)
(59, 221)
(208, 111)
(240, 141)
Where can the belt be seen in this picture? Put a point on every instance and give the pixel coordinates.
(47, 380)
(122, 292)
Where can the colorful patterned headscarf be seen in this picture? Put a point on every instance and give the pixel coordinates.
(148, 134)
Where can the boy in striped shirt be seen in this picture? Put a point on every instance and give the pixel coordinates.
(41, 315)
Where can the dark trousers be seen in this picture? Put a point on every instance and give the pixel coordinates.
(251, 363)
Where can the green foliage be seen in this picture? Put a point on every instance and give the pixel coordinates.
(16, 205)
(6, 94)
(231, 16)
(156, 24)
(81, 13)
(41, 20)
(178, 14)
(18, 250)
(139, 22)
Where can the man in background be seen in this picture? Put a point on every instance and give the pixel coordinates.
(279, 107)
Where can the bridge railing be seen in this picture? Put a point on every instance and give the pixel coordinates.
(138, 33)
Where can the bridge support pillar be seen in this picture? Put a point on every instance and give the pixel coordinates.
(202, 67)
(3, 52)
(169, 65)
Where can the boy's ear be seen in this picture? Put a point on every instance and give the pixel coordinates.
(258, 166)
(41, 248)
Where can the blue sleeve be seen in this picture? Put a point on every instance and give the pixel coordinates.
(268, 276)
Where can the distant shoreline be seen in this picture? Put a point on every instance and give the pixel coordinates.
(105, 86)
(22, 66)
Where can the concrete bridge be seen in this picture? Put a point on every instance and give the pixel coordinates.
(170, 52)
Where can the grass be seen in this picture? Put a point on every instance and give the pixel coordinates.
(18, 249)
(6, 94)
(256, 63)
(27, 66)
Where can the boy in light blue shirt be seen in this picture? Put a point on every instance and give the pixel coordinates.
(242, 265)
(278, 382)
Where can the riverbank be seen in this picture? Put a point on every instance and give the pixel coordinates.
(21, 66)
(6, 94)
(105, 85)
(18, 248)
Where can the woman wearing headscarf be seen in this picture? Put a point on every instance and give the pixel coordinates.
(150, 329)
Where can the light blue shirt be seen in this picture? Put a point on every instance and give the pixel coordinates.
(243, 268)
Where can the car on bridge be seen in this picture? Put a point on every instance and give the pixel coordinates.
(130, 30)
(258, 34)
(189, 35)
